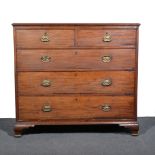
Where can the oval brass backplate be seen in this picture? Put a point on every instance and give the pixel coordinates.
(45, 58)
(106, 107)
(106, 82)
(106, 58)
(46, 83)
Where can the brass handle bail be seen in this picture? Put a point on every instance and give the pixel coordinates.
(46, 83)
(106, 107)
(45, 37)
(106, 82)
(45, 58)
(107, 37)
(46, 108)
(106, 58)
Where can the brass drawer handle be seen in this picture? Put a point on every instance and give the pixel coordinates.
(45, 58)
(106, 107)
(107, 37)
(106, 82)
(45, 37)
(106, 58)
(46, 83)
(46, 108)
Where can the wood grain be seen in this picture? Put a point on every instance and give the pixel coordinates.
(73, 60)
(76, 72)
(75, 107)
(29, 83)
(120, 38)
(31, 38)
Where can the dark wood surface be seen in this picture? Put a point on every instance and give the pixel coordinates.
(84, 38)
(29, 83)
(75, 107)
(94, 38)
(76, 24)
(76, 71)
(88, 59)
(57, 38)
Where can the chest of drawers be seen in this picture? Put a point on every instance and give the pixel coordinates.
(76, 74)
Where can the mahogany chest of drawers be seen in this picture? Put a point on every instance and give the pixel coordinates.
(76, 74)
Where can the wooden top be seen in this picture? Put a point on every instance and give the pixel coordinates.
(76, 24)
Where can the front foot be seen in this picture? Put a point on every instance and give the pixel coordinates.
(134, 130)
(18, 129)
(133, 127)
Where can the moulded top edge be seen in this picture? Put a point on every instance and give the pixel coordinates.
(76, 24)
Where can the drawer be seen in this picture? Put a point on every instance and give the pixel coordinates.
(61, 60)
(106, 38)
(75, 107)
(44, 38)
(47, 83)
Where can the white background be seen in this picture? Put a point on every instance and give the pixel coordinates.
(79, 11)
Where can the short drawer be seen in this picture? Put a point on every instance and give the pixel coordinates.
(44, 38)
(47, 83)
(106, 38)
(61, 60)
(75, 107)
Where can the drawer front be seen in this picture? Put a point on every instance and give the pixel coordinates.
(60, 60)
(47, 83)
(75, 107)
(44, 38)
(106, 38)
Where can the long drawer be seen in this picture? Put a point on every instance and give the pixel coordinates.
(48, 83)
(75, 107)
(73, 60)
